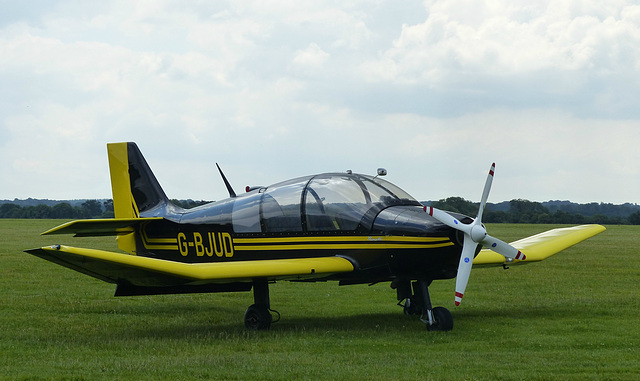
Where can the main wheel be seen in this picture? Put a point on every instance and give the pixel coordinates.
(443, 320)
(257, 318)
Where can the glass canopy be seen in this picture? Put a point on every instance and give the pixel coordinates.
(328, 202)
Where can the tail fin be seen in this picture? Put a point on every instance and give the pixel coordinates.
(135, 189)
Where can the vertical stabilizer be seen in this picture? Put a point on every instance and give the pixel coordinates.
(135, 189)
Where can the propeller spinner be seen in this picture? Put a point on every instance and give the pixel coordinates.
(474, 233)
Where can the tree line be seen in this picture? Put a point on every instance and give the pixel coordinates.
(530, 212)
(64, 210)
(519, 211)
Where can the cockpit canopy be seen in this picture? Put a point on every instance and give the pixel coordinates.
(327, 202)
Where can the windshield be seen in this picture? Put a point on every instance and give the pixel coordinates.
(342, 202)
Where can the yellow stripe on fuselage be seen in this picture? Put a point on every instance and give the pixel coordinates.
(341, 247)
(340, 243)
(312, 243)
(341, 239)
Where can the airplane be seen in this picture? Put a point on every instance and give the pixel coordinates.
(345, 227)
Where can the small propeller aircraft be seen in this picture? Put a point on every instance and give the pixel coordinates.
(345, 227)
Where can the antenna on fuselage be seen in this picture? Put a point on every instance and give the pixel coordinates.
(226, 183)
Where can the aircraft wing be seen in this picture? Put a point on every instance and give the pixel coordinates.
(151, 272)
(540, 246)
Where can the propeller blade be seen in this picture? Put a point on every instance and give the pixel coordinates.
(485, 192)
(464, 267)
(447, 219)
(502, 248)
(474, 233)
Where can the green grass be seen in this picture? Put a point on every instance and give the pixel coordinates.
(573, 316)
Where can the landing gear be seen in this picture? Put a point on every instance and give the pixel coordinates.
(258, 317)
(418, 303)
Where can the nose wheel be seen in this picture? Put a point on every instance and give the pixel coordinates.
(441, 320)
(419, 303)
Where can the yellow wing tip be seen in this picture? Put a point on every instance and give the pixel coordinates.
(541, 246)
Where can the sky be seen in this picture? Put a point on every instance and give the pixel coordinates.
(433, 91)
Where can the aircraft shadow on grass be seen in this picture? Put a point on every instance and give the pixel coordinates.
(211, 321)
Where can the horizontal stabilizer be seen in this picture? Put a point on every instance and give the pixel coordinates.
(148, 272)
(540, 246)
(99, 227)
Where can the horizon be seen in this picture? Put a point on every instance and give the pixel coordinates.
(15, 199)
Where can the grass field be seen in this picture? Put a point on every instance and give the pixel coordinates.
(574, 316)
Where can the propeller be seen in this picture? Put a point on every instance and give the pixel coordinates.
(474, 234)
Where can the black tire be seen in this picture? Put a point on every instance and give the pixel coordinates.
(443, 320)
(257, 318)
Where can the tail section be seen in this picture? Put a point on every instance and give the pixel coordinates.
(136, 191)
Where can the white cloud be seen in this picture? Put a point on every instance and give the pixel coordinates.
(277, 89)
(545, 50)
(310, 59)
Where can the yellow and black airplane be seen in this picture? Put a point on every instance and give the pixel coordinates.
(345, 227)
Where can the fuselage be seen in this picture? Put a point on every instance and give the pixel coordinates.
(380, 228)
